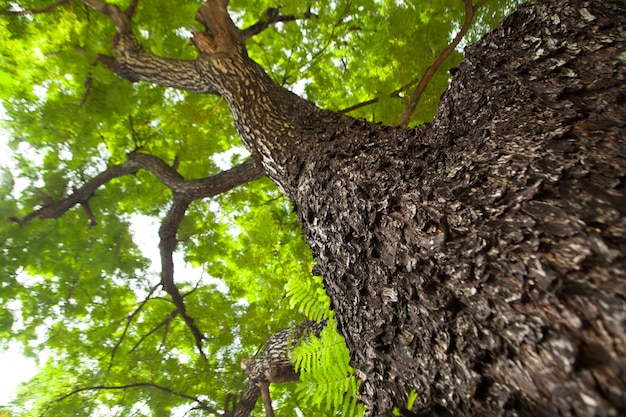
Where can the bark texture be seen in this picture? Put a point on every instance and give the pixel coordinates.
(272, 364)
(478, 260)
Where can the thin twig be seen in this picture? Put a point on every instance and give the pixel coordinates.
(164, 322)
(201, 403)
(129, 319)
(470, 10)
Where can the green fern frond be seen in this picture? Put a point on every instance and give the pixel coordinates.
(307, 295)
(326, 378)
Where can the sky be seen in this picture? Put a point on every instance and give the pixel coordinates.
(14, 367)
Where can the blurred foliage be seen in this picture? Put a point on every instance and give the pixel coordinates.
(82, 299)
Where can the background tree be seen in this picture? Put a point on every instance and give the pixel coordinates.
(143, 141)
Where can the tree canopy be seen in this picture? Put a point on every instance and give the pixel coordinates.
(129, 333)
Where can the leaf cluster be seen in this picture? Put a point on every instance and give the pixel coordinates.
(327, 380)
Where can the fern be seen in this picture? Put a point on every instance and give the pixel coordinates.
(326, 378)
(307, 295)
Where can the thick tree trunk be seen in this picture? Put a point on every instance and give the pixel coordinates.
(478, 261)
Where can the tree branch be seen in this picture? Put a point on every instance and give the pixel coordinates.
(273, 16)
(184, 192)
(246, 172)
(132, 63)
(248, 400)
(188, 190)
(165, 322)
(119, 19)
(470, 10)
(129, 319)
(201, 404)
(130, 11)
(56, 210)
(168, 243)
(264, 387)
(272, 365)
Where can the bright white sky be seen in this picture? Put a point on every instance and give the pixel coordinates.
(14, 367)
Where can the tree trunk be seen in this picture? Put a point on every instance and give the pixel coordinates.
(478, 261)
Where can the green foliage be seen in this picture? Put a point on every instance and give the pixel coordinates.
(327, 380)
(82, 298)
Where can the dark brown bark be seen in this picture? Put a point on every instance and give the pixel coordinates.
(479, 260)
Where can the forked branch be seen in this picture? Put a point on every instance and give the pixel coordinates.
(133, 63)
(189, 190)
(84, 193)
(184, 192)
(167, 244)
(129, 320)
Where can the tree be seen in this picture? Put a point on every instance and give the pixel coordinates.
(475, 265)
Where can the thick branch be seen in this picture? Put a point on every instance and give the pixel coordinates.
(56, 210)
(221, 34)
(247, 171)
(119, 19)
(184, 192)
(168, 242)
(132, 63)
(135, 65)
(248, 400)
(187, 190)
(272, 365)
(267, 400)
(243, 173)
(470, 10)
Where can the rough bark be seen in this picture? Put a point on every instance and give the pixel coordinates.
(272, 364)
(479, 260)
